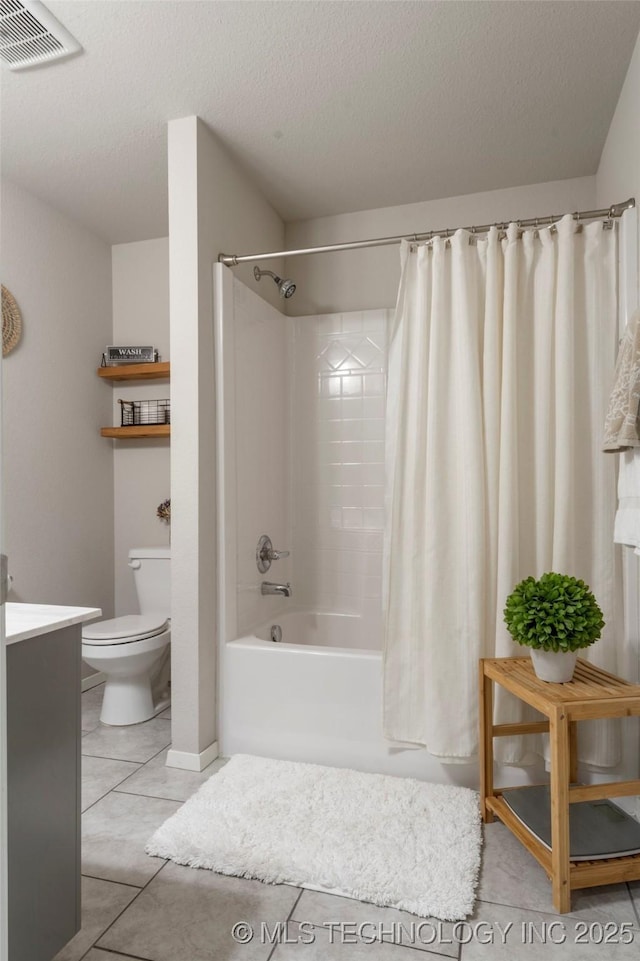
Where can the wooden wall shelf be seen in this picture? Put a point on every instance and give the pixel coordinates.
(140, 430)
(158, 371)
(136, 371)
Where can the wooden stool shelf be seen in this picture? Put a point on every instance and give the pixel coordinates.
(593, 693)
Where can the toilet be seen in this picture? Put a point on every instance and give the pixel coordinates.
(133, 651)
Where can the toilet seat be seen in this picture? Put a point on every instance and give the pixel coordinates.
(124, 630)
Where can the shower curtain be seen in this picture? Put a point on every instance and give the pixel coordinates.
(501, 358)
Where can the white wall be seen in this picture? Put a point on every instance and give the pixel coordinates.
(618, 175)
(340, 364)
(369, 278)
(140, 467)
(57, 469)
(618, 178)
(260, 432)
(213, 207)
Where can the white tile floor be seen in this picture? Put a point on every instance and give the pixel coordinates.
(136, 907)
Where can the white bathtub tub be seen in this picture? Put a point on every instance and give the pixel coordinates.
(344, 631)
(317, 696)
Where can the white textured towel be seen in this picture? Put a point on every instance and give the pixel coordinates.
(396, 842)
(622, 425)
(627, 523)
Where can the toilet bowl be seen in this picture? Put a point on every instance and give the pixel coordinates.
(127, 649)
(132, 650)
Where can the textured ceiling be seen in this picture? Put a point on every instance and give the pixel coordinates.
(330, 106)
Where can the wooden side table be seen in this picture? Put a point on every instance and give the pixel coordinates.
(593, 693)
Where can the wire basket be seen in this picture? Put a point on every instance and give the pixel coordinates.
(134, 412)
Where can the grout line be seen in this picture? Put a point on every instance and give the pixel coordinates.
(150, 797)
(423, 951)
(320, 926)
(129, 759)
(413, 947)
(138, 769)
(120, 954)
(295, 904)
(123, 884)
(137, 888)
(286, 922)
(568, 916)
(93, 804)
(102, 796)
(118, 788)
(123, 954)
(636, 907)
(158, 753)
(126, 908)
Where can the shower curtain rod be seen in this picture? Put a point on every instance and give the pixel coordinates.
(606, 213)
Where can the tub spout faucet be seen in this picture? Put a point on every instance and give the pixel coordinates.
(284, 590)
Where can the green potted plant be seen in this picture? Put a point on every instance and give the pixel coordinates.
(555, 616)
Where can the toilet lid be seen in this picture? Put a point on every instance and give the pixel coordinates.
(123, 630)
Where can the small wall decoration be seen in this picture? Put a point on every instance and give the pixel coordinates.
(163, 511)
(11, 322)
(133, 354)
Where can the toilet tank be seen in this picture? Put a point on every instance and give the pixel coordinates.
(151, 568)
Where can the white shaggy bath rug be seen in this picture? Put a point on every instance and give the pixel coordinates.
(395, 842)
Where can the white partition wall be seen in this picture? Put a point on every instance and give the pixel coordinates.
(213, 207)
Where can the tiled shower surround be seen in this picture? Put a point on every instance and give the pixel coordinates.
(337, 404)
(305, 436)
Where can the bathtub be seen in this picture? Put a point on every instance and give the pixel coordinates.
(317, 696)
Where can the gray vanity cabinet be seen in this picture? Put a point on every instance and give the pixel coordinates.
(43, 757)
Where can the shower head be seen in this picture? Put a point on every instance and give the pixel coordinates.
(287, 288)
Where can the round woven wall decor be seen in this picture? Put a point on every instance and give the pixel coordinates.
(11, 322)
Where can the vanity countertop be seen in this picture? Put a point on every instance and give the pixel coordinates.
(30, 620)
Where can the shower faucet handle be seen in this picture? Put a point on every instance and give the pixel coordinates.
(266, 553)
(276, 555)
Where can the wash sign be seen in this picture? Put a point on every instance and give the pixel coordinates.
(130, 355)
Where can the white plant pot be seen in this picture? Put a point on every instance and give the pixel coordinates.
(554, 666)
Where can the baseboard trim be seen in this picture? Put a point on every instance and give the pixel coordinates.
(193, 762)
(92, 681)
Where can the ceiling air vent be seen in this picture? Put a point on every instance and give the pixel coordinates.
(31, 35)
